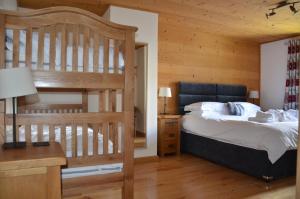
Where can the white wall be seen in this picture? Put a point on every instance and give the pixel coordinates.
(147, 24)
(8, 4)
(273, 74)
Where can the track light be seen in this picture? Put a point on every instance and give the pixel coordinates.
(270, 14)
(281, 4)
(293, 9)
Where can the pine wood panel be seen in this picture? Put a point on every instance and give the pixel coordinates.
(187, 54)
(242, 19)
(193, 50)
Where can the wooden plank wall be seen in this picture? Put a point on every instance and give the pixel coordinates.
(186, 52)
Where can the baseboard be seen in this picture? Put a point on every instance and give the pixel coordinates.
(146, 159)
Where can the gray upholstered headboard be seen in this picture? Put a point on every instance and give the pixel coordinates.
(189, 93)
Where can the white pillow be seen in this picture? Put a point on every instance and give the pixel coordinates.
(249, 108)
(216, 107)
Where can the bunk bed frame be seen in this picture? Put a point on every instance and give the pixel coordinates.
(92, 30)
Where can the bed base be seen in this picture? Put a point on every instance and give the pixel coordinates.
(249, 161)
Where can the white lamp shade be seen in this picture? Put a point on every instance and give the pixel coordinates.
(165, 92)
(253, 94)
(15, 82)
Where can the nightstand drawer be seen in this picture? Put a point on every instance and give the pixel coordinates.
(170, 146)
(169, 135)
(170, 125)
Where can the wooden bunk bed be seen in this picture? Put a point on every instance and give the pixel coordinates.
(70, 49)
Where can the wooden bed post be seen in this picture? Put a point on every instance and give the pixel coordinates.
(128, 110)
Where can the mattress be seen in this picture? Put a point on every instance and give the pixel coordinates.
(274, 138)
(22, 54)
(9, 138)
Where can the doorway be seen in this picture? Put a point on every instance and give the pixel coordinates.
(140, 95)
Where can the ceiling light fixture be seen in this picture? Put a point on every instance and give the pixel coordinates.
(283, 4)
(270, 14)
(293, 9)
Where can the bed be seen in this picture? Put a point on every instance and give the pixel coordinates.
(246, 159)
(73, 50)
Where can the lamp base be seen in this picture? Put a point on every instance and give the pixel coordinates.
(14, 145)
(38, 144)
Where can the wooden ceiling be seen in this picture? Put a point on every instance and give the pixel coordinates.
(243, 19)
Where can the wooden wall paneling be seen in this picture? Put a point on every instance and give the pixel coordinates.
(234, 18)
(16, 39)
(195, 56)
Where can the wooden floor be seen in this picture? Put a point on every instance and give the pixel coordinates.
(188, 177)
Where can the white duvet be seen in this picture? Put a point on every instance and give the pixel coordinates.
(275, 138)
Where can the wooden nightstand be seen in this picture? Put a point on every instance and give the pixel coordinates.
(168, 134)
(32, 172)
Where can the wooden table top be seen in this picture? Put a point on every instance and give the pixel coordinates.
(31, 157)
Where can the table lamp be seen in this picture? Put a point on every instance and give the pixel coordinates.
(165, 92)
(253, 95)
(15, 82)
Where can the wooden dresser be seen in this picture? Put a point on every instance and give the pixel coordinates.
(32, 172)
(168, 134)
